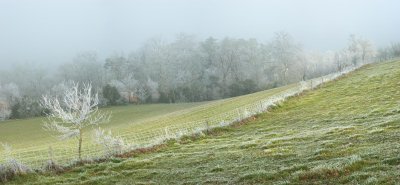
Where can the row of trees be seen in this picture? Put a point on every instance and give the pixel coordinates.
(389, 52)
(184, 70)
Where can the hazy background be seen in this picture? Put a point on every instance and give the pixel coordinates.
(53, 31)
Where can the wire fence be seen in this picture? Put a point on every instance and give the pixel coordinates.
(64, 154)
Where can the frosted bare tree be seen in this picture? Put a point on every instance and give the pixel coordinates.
(76, 110)
(367, 50)
(284, 51)
(5, 111)
(142, 94)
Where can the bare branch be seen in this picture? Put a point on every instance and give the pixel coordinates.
(77, 110)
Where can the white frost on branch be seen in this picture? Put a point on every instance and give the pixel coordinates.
(76, 110)
(112, 145)
(12, 165)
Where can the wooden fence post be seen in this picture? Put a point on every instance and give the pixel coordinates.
(207, 124)
(312, 87)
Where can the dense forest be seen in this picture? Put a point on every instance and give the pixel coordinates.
(182, 70)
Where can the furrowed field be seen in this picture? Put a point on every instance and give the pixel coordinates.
(30, 132)
(345, 132)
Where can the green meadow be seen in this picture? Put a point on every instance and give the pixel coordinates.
(345, 132)
(31, 142)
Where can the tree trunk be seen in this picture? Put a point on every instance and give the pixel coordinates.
(80, 146)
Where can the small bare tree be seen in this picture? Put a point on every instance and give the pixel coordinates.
(76, 110)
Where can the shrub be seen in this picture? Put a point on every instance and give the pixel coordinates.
(26, 107)
(51, 165)
(111, 94)
(111, 145)
(242, 87)
(12, 166)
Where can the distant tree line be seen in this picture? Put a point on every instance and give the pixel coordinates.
(389, 52)
(182, 70)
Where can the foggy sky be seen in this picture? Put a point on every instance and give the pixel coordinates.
(53, 31)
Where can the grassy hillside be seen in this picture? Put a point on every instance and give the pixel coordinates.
(29, 132)
(31, 143)
(346, 132)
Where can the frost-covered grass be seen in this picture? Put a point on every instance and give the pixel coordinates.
(346, 132)
(31, 142)
(28, 134)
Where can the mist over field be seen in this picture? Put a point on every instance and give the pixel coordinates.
(53, 32)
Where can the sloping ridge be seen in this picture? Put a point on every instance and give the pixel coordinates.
(345, 132)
